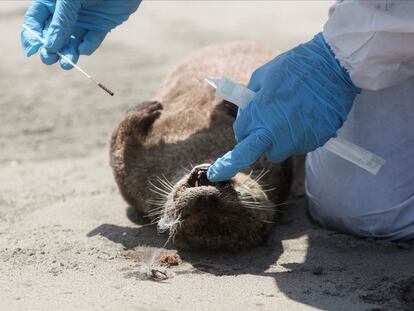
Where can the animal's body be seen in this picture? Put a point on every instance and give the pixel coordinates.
(156, 150)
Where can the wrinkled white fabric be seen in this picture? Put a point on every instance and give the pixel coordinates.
(343, 196)
(373, 40)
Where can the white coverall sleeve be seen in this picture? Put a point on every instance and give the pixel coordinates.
(373, 41)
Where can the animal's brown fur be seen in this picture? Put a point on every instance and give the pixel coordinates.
(186, 125)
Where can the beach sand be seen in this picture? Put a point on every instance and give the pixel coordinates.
(69, 242)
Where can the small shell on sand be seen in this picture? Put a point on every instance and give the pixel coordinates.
(153, 265)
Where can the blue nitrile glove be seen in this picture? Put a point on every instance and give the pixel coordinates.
(302, 98)
(72, 27)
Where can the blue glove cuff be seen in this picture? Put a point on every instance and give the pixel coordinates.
(336, 77)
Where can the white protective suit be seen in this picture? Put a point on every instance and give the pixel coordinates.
(374, 42)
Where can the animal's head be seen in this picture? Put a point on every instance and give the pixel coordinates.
(227, 215)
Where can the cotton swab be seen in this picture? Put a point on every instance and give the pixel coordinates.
(72, 63)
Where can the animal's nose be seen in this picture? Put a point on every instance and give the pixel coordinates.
(198, 176)
(206, 201)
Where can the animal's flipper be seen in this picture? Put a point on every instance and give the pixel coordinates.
(126, 142)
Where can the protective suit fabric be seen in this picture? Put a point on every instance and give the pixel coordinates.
(345, 197)
(373, 40)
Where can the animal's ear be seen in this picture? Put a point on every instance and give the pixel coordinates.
(125, 143)
(142, 116)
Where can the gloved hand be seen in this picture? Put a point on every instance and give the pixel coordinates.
(302, 98)
(72, 27)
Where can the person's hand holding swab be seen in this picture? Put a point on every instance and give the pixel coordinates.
(72, 27)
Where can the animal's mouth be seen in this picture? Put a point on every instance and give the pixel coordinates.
(198, 176)
(198, 195)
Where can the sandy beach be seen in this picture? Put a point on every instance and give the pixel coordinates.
(68, 241)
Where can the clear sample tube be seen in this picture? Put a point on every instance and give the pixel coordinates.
(231, 91)
(355, 154)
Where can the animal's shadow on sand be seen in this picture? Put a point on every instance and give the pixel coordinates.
(337, 272)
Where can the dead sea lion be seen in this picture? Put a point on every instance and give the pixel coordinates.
(159, 150)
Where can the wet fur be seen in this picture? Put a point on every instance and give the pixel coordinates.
(154, 147)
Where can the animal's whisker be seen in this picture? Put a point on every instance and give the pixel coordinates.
(150, 224)
(254, 202)
(168, 181)
(260, 209)
(248, 184)
(256, 208)
(270, 189)
(248, 198)
(165, 184)
(168, 223)
(158, 188)
(167, 188)
(156, 220)
(268, 221)
(266, 203)
(164, 179)
(157, 201)
(245, 186)
(272, 210)
(161, 194)
(157, 208)
(262, 174)
(283, 203)
(257, 177)
(259, 205)
(257, 172)
(185, 169)
(158, 204)
(265, 208)
(155, 214)
(149, 216)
